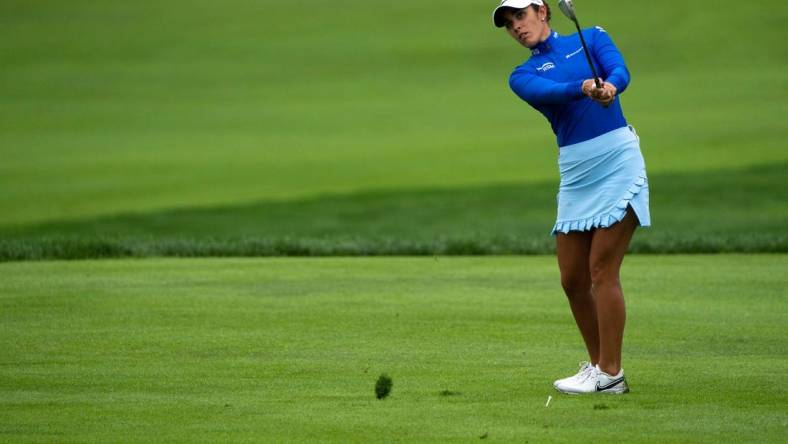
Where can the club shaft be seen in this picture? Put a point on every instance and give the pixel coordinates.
(588, 55)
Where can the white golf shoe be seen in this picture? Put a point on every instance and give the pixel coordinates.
(585, 367)
(593, 380)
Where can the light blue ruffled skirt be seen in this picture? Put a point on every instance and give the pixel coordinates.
(600, 178)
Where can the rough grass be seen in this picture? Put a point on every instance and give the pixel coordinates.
(289, 350)
(692, 213)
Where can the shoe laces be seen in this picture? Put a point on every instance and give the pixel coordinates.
(591, 372)
(585, 367)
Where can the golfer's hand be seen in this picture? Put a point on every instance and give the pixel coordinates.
(588, 87)
(604, 95)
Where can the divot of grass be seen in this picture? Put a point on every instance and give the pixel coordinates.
(449, 393)
(383, 386)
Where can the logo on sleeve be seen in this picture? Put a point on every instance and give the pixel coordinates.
(574, 53)
(601, 29)
(546, 67)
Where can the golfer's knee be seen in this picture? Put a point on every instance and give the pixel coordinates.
(575, 285)
(604, 277)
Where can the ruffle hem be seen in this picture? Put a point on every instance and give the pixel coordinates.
(616, 214)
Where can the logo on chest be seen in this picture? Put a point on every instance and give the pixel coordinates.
(546, 67)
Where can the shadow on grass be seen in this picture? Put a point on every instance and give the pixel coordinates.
(709, 212)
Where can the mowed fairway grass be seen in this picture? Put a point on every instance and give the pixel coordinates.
(288, 350)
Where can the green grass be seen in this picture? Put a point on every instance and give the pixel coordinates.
(132, 117)
(248, 128)
(503, 219)
(289, 350)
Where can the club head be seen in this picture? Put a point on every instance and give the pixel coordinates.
(568, 9)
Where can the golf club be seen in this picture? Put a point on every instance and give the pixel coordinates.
(569, 11)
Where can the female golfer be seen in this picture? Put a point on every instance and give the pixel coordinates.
(603, 195)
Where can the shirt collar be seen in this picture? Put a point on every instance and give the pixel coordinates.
(546, 45)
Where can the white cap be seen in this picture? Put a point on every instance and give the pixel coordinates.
(515, 4)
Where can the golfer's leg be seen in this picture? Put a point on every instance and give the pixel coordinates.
(608, 247)
(573, 251)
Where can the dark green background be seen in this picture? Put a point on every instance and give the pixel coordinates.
(261, 127)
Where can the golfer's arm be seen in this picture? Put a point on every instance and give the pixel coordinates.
(611, 60)
(540, 91)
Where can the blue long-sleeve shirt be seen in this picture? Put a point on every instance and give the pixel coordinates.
(551, 81)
